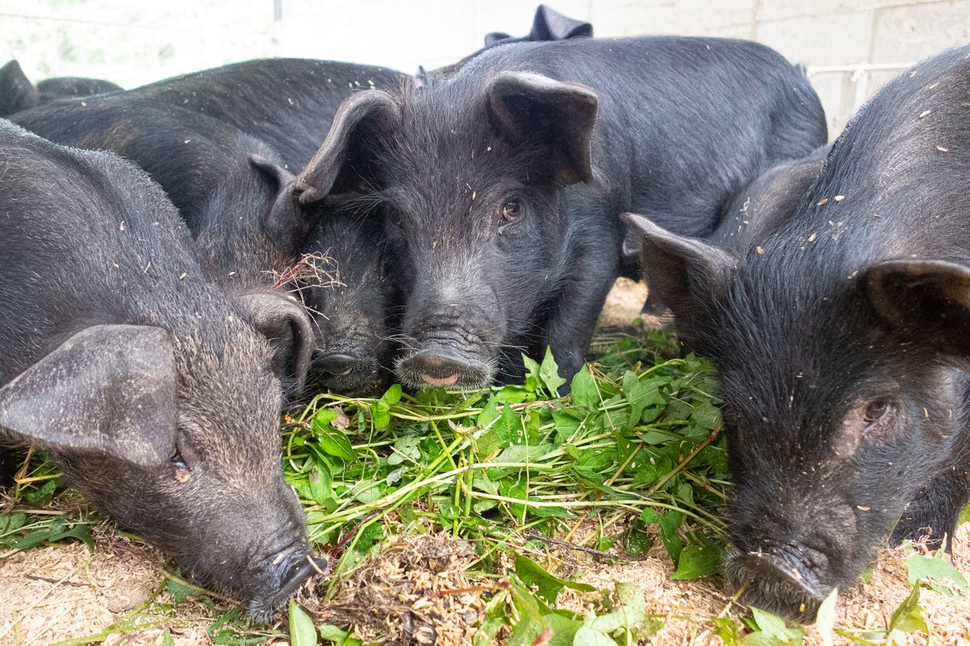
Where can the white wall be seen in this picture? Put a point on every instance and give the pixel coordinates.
(134, 42)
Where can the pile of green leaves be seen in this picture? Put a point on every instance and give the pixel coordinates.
(634, 451)
(636, 440)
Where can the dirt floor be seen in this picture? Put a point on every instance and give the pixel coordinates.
(65, 591)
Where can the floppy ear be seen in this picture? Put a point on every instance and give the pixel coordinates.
(684, 272)
(345, 158)
(559, 116)
(288, 222)
(928, 300)
(287, 326)
(110, 389)
(549, 24)
(16, 91)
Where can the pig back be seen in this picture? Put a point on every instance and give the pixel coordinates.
(683, 123)
(85, 238)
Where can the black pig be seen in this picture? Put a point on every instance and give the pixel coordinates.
(286, 102)
(223, 182)
(143, 380)
(501, 185)
(290, 103)
(18, 93)
(250, 227)
(756, 210)
(59, 87)
(548, 24)
(841, 340)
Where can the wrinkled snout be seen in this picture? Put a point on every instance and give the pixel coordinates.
(289, 570)
(346, 372)
(437, 366)
(780, 581)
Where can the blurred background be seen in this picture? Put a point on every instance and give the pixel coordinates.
(848, 46)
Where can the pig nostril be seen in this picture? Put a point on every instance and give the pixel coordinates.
(337, 364)
(774, 582)
(299, 573)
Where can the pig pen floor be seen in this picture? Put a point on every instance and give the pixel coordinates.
(65, 591)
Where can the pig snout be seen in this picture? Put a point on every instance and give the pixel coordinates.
(449, 356)
(346, 372)
(452, 339)
(285, 572)
(438, 366)
(781, 580)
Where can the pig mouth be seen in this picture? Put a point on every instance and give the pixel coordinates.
(435, 367)
(347, 373)
(294, 573)
(784, 582)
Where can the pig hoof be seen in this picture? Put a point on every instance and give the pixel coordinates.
(775, 584)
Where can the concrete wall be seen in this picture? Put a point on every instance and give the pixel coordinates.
(822, 34)
(138, 42)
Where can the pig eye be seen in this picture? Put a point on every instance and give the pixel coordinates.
(395, 217)
(511, 210)
(876, 411)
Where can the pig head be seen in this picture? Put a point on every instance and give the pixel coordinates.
(467, 187)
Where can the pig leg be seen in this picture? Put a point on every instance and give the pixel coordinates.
(573, 318)
(934, 512)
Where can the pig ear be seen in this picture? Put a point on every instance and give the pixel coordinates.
(288, 222)
(273, 169)
(110, 389)
(560, 116)
(926, 299)
(287, 326)
(684, 272)
(16, 91)
(549, 24)
(343, 163)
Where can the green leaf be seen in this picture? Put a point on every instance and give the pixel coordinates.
(908, 617)
(629, 614)
(513, 395)
(638, 542)
(531, 573)
(302, 632)
(549, 373)
(180, 593)
(935, 573)
(640, 397)
(167, 638)
(825, 618)
(773, 631)
(393, 395)
(548, 586)
(57, 532)
(564, 629)
(493, 620)
(587, 636)
(670, 521)
(332, 440)
(584, 390)
(12, 523)
(698, 561)
(320, 483)
(531, 623)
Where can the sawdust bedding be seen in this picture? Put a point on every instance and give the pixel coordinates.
(414, 591)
